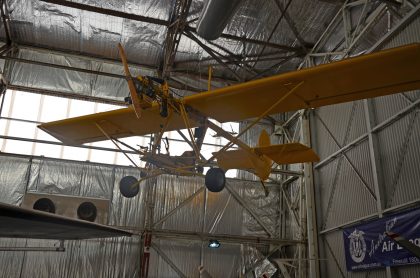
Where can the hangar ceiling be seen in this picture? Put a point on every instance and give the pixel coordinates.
(160, 40)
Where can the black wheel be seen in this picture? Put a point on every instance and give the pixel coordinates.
(215, 180)
(129, 186)
(87, 211)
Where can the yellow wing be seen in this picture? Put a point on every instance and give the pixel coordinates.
(117, 123)
(382, 73)
(377, 74)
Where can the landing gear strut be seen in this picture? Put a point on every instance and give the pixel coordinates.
(215, 179)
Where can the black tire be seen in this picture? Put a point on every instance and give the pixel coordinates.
(215, 179)
(129, 186)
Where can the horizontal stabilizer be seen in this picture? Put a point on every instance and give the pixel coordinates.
(288, 153)
(18, 222)
(281, 154)
(235, 159)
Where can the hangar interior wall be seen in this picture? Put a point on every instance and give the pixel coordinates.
(345, 176)
(206, 212)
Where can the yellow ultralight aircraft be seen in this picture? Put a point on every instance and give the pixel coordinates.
(155, 110)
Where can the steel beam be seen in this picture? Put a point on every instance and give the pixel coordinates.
(178, 207)
(168, 261)
(33, 249)
(212, 53)
(308, 183)
(205, 237)
(283, 11)
(6, 20)
(334, 258)
(249, 209)
(104, 11)
(363, 137)
(68, 95)
(409, 204)
(378, 181)
(160, 22)
(354, 168)
(173, 34)
(62, 144)
(409, 17)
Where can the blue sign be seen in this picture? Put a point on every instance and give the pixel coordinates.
(367, 246)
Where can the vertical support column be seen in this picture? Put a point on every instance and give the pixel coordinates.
(374, 157)
(308, 183)
(203, 227)
(148, 225)
(376, 164)
(302, 248)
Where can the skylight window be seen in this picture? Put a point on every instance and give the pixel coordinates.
(22, 112)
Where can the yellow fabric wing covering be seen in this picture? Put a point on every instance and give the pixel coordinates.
(381, 73)
(281, 154)
(366, 76)
(117, 123)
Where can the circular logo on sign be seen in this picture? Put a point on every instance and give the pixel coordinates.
(357, 246)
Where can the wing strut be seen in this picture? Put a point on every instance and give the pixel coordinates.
(235, 140)
(188, 126)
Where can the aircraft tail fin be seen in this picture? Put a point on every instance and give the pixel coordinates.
(264, 139)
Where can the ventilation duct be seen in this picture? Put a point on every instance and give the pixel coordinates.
(215, 16)
(83, 208)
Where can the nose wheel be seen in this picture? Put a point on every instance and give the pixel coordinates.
(215, 179)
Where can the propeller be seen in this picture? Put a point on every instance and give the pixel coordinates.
(133, 92)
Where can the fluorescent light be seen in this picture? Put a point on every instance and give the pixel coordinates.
(214, 243)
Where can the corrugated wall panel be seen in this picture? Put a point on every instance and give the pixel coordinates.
(13, 175)
(398, 149)
(336, 263)
(171, 191)
(349, 193)
(388, 106)
(393, 150)
(127, 211)
(351, 124)
(185, 255)
(407, 187)
(223, 215)
(325, 189)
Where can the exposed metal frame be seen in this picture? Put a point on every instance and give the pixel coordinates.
(125, 15)
(352, 38)
(303, 206)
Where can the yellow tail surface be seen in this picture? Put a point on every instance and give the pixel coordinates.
(241, 159)
(262, 156)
